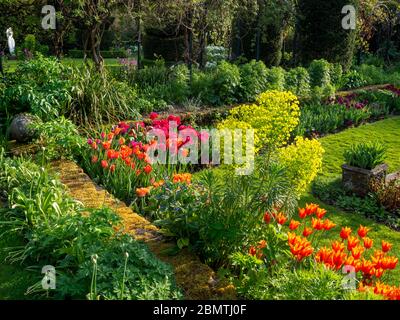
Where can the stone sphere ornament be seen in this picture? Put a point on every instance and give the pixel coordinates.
(20, 128)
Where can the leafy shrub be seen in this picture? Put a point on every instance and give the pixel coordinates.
(303, 161)
(388, 195)
(332, 192)
(297, 80)
(336, 73)
(40, 86)
(117, 100)
(253, 80)
(215, 54)
(319, 119)
(276, 79)
(274, 116)
(313, 283)
(218, 215)
(353, 80)
(320, 73)
(366, 155)
(57, 232)
(59, 139)
(219, 85)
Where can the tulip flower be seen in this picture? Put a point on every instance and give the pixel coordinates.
(142, 192)
(352, 242)
(281, 218)
(294, 224)
(267, 217)
(252, 251)
(344, 234)
(363, 231)
(148, 169)
(368, 243)
(328, 225)
(104, 164)
(320, 213)
(302, 213)
(386, 246)
(307, 232)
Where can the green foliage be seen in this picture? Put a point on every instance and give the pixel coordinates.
(99, 98)
(30, 43)
(59, 139)
(370, 207)
(40, 86)
(320, 73)
(217, 86)
(276, 79)
(215, 54)
(352, 80)
(297, 80)
(218, 215)
(314, 283)
(321, 119)
(106, 54)
(60, 232)
(366, 155)
(253, 80)
(336, 73)
(373, 75)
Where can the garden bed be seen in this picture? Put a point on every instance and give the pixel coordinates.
(196, 279)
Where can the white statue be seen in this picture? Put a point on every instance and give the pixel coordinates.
(11, 41)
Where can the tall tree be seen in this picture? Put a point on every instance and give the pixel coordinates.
(94, 15)
(321, 34)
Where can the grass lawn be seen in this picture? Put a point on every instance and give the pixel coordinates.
(14, 279)
(386, 131)
(11, 65)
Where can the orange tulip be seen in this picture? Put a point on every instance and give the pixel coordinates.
(328, 225)
(281, 218)
(368, 243)
(311, 209)
(320, 213)
(352, 242)
(112, 168)
(294, 225)
(386, 246)
(142, 192)
(317, 224)
(357, 252)
(262, 244)
(252, 251)
(95, 159)
(337, 246)
(307, 232)
(267, 218)
(302, 213)
(363, 231)
(344, 234)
